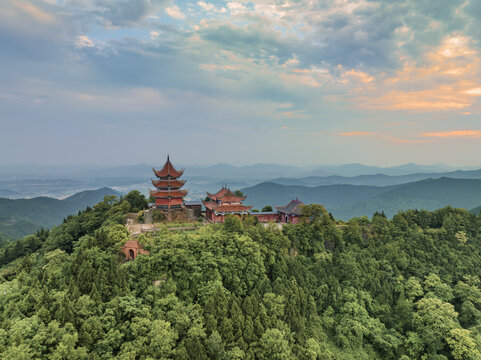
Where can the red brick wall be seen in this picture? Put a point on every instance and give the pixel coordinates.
(176, 201)
(266, 217)
(295, 219)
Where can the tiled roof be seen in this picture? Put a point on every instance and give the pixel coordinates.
(167, 193)
(231, 198)
(291, 208)
(224, 195)
(212, 196)
(168, 183)
(168, 170)
(211, 205)
(222, 192)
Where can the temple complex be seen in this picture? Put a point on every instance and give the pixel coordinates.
(169, 200)
(223, 203)
(168, 194)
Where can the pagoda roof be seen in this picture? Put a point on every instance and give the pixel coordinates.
(293, 207)
(231, 198)
(168, 182)
(168, 193)
(168, 170)
(211, 205)
(222, 192)
(226, 195)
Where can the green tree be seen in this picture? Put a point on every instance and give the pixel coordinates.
(273, 346)
(136, 201)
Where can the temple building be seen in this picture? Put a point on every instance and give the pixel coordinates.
(291, 213)
(223, 203)
(168, 194)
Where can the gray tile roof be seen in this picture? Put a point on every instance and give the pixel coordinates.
(291, 208)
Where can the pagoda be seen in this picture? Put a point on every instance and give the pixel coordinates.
(223, 203)
(168, 194)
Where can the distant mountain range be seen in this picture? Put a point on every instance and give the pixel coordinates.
(17, 182)
(346, 190)
(347, 201)
(25, 216)
(219, 171)
(375, 179)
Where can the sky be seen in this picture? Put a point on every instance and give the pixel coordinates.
(117, 82)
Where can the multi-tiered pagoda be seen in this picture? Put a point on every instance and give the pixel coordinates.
(168, 194)
(223, 203)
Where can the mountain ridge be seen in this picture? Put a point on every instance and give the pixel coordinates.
(347, 201)
(21, 217)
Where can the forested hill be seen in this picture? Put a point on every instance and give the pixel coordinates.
(269, 193)
(348, 201)
(25, 216)
(406, 288)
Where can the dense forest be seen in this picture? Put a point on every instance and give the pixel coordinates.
(406, 288)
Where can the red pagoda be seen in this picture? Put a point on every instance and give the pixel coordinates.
(223, 203)
(168, 194)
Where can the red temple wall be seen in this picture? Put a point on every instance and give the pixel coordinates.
(266, 217)
(293, 219)
(166, 201)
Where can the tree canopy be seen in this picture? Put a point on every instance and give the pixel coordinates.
(406, 288)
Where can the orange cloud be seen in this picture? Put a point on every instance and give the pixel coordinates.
(406, 141)
(291, 114)
(357, 133)
(438, 99)
(34, 12)
(212, 67)
(454, 134)
(359, 75)
(445, 79)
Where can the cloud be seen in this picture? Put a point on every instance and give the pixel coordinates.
(113, 13)
(34, 12)
(206, 6)
(83, 41)
(454, 134)
(266, 63)
(445, 78)
(236, 8)
(175, 12)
